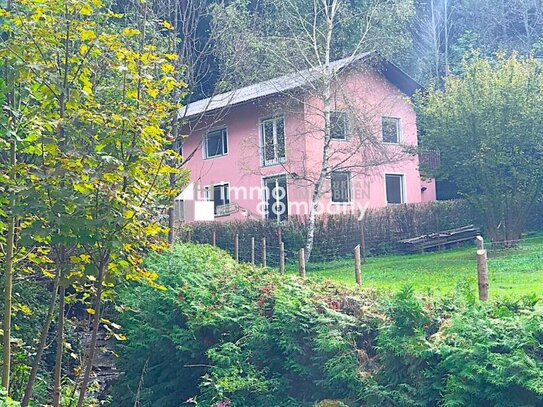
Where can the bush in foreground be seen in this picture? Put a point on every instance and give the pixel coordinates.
(230, 334)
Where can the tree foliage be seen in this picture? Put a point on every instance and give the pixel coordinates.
(285, 36)
(93, 117)
(488, 125)
(231, 334)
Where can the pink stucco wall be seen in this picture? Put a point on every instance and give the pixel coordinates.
(241, 167)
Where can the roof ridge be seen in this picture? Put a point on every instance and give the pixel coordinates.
(264, 88)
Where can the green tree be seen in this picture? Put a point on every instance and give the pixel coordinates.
(255, 41)
(487, 123)
(100, 106)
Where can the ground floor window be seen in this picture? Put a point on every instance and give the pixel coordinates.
(394, 184)
(276, 198)
(220, 195)
(340, 186)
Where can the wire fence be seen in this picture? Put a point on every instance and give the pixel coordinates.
(251, 248)
(336, 236)
(278, 249)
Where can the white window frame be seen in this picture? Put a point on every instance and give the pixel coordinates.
(350, 201)
(263, 197)
(209, 195)
(399, 127)
(402, 185)
(276, 160)
(347, 124)
(205, 153)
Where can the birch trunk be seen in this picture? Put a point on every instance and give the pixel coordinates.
(326, 99)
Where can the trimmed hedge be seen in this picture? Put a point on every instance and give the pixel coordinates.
(336, 235)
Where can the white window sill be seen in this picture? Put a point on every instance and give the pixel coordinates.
(271, 163)
(215, 156)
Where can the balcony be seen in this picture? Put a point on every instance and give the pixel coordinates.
(429, 160)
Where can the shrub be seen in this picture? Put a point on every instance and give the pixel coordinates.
(6, 401)
(337, 235)
(227, 331)
(230, 334)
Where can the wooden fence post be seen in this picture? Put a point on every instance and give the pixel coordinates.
(301, 262)
(482, 274)
(189, 238)
(357, 274)
(214, 238)
(253, 250)
(264, 252)
(236, 247)
(480, 243)
(281, 257)
(363, 241)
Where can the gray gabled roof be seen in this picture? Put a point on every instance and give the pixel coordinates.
(286, 83)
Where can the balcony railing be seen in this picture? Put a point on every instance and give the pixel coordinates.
(226, 209)
(429, 160)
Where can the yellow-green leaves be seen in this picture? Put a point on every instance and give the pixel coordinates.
(86, 9)
(168, 68)
(153, 131)
(129, 32)
(167, 25)
(99, 94)
(87, 35)
(84, 188)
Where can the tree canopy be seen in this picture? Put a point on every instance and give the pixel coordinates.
(487, 122)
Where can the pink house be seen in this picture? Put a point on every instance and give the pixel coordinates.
(257, 152)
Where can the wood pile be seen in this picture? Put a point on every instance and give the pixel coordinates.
(439, 240)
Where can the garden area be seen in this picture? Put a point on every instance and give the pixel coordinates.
(512, 272)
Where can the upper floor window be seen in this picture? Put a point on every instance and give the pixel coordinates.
(395, 192)
(216, 143)
(391, 129)
(341, 186)
(273, 140)
(339, 125)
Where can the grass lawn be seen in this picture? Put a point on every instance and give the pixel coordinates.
(512, 272)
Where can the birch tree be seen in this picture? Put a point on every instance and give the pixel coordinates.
(306, 37)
